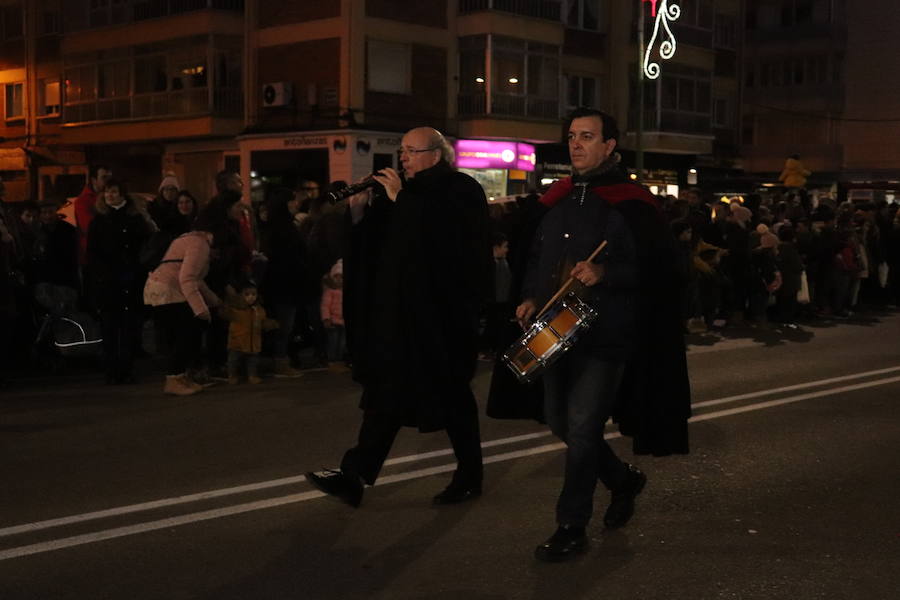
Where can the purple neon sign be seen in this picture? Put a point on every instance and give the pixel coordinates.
(486, 154)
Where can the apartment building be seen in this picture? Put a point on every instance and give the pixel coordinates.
(324, 89)
(142, 85)
(821, 80)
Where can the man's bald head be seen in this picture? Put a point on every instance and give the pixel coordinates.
(423, 148)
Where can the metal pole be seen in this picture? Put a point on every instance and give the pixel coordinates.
(639, 147)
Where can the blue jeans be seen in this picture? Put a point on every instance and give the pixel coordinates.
(236, 357)
(579, 397)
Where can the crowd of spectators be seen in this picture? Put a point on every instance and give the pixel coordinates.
(170, 276)
(760, 261)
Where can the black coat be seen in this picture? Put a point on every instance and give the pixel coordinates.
(55, 258)
(569, 233)
(285, 277)
(416, 277)
(115, 238)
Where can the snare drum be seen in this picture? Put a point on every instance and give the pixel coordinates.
(549, 337)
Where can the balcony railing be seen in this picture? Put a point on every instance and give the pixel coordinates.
(226, 102)
(540, 9)
(84, 15)
(508, 105)
(669, 121)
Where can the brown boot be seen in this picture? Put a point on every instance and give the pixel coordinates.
(283, 368)
(179, 385)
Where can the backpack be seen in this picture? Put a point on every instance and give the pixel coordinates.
(154, 249)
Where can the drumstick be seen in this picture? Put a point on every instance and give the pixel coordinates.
(569, 281)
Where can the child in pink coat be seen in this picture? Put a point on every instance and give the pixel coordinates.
(332, 308)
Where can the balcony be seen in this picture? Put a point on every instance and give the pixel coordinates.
(508, 105)
(80, 15)
(223, 102)
(550, 10)
(670, 121)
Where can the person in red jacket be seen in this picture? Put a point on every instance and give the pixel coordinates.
(98, 175)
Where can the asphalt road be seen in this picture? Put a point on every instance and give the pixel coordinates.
(790, 490)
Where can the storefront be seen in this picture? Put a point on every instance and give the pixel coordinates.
(503, 168)
(284, 159)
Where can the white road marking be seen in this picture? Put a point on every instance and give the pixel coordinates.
(118, 532)
(212, 494)
(791, 388)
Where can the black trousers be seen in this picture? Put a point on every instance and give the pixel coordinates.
(379, 429)
(121, 330)
(184, 330)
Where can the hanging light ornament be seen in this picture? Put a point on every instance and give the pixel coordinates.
(666, 12)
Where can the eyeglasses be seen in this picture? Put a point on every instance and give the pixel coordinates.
(415, 150)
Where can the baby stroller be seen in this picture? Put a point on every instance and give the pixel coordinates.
(64, 331)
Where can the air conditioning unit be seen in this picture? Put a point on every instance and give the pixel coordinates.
(280, 93)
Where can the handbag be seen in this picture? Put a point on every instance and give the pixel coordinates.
(803, 292)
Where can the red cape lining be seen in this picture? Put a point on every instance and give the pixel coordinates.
(613, 194)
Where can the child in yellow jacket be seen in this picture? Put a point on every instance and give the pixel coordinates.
(246, 322)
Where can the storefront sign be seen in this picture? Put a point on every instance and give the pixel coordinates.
(486, 154)
(305, 141)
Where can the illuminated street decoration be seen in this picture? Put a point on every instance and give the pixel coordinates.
(666, 12)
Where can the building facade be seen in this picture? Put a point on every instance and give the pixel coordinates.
(290, 90)
(821, 81)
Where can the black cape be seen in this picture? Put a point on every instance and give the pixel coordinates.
(416, 277)
(654, 398)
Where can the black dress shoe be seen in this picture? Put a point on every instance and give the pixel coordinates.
(621, 507)
(347, 488)
(454, 494)
(566, 543)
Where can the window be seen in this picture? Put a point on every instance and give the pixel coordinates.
(471, 64)
(15, 93)
(696, 13)
(748, 129)
(108, 12)
(687, 91)
(150, 74)
(49, 100)
(113, 79)
(388, 67)
(798, 72)
(49, 17)
(580, 91)
(582, 14)
(804, 12)
(724, 35)
(721, 112)
(526, 78)
(12, 25)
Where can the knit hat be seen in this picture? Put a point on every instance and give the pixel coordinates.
(767, 239)
(338, 268)
(169, 181)
(741, 213)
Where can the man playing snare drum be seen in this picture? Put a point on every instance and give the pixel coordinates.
(607, 372)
